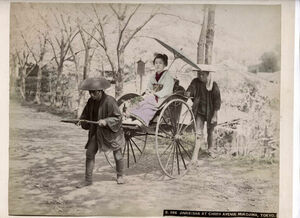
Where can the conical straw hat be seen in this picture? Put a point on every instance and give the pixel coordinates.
(94, 83)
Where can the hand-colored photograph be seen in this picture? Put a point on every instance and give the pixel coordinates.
(119, 109)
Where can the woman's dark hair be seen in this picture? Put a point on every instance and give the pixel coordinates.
(163, 57)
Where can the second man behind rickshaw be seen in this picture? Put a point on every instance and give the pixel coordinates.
(206, 99)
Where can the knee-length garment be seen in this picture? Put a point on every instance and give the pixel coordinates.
(109, 137)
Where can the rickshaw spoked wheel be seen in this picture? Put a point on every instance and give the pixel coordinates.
(175, 138)
(135, 144)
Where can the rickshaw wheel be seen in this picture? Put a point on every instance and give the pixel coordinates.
(135, 144)
(175, 138)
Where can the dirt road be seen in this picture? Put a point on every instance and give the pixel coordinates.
(47, 161)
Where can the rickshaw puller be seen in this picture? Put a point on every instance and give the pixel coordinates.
(107, 134)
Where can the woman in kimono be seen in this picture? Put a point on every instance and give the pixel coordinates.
(159, 87)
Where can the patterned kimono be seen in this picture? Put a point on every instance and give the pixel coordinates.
(162, 85)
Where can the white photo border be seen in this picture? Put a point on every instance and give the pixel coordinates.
(289, 98)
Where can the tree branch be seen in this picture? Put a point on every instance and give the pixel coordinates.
(82, 35)
(26, 58)
(47, 62)
(58, 42)
(28, 47)
(73, 54)
(27, 74)
(45, 21)
(101, 31)
(43, 48)
(18, 56)
(86, 42)
(136, 31)
(40, 43)
(64, 24)
(69, 44)
(53, 49)
(93, 52)
(130, 16)
(57, 21)
(126, 24)
(22, 61)
(104, 48)
(90, 38)
(115, 12)
(179, 17)
(124, 11)
(110, 61)
(102, 36)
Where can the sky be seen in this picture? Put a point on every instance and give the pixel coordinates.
(242, 32)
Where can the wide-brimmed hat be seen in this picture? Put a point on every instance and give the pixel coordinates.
(94, 83)
(206, 67)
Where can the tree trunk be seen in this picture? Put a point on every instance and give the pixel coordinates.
(202, 39)
(23, 83)
(38, 86)
(86, 70)
(102, 68)
(86, 63)
(50, 87)
(79, 101)
(14, 70)
(89, 65)
(80, 92)
(119, 83)
(119, 75)
(39, 78)
(57, 96)
(210, 34)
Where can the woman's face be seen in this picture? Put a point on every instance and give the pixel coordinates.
(159, 65)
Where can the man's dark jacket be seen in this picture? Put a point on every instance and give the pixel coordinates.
(205, 102)
(109, 137)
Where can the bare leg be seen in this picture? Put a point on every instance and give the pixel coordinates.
(199, 139)
(119, 166)
(210, 136)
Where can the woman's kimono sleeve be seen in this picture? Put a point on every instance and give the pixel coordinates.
(150, 85)
(168, 86)
(114, 119)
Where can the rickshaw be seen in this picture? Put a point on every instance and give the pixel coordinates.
(173, 127)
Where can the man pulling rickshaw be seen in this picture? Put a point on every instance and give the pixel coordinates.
(106, 133)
